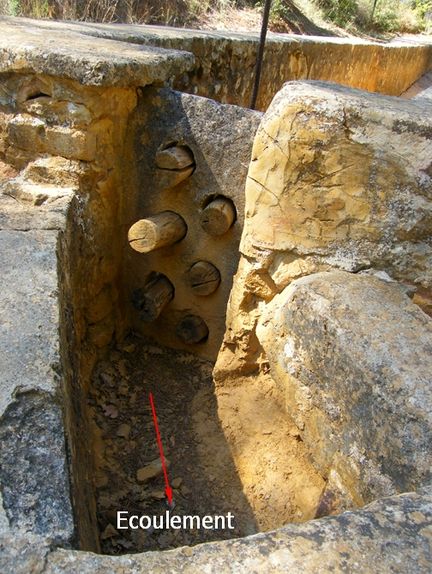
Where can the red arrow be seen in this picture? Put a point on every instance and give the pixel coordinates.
(168, 489)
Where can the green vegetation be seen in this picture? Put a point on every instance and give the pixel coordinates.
(302, 16)
(378, 15)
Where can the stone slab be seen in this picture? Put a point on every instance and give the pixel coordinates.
(29, 313)
(225, 60)
(220, 138)
(353, 356)
(33, 476)
(26, 47)
(394, 533)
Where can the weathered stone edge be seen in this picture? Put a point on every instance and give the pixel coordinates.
(137, 33)
(105, 62)
(394, 533)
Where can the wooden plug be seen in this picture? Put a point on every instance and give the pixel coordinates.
(153, 297)
(203, 278)
(218, 216)
(175, 164)
(168, 178)
(175, 157)
(192, 330)
(157, 231)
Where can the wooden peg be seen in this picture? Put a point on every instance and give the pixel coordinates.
(203, 278)
(157, 231)
(192, 330)
(153, 297)
(169, 178)
(175, 157)
(218, 216)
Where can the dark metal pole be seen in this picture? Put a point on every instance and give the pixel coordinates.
(258, 67)
(373, 10)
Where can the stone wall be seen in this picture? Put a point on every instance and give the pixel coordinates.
(90, 280)
(225, 66)
(62, 155)
(55, 121)
(219, 137)
(339, 179)
(77, 156)
(225, 61)
(65, 143)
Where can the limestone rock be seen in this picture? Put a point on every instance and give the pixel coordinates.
(348, 61)
(124, 431)
(220, 139)
(109, 532)
(158, 494)
(369, 202)
(7, 171)
(393, 533)
(23, 216)
(37, 194)
(339, 178)
(95, 62)
(54, 170)
(67, 114)
(353, 357)
(151, 470)
(33, 134)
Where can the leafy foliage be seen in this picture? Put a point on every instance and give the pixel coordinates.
(299, 15)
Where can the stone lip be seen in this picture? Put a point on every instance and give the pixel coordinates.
(140, 33)
(215, 64)
(26, 47)
(393, 532)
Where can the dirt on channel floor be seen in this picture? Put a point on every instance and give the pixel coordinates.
(236, 452)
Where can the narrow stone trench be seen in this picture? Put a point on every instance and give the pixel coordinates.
(236, 454)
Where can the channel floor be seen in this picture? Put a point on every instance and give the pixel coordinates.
(229, 452)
